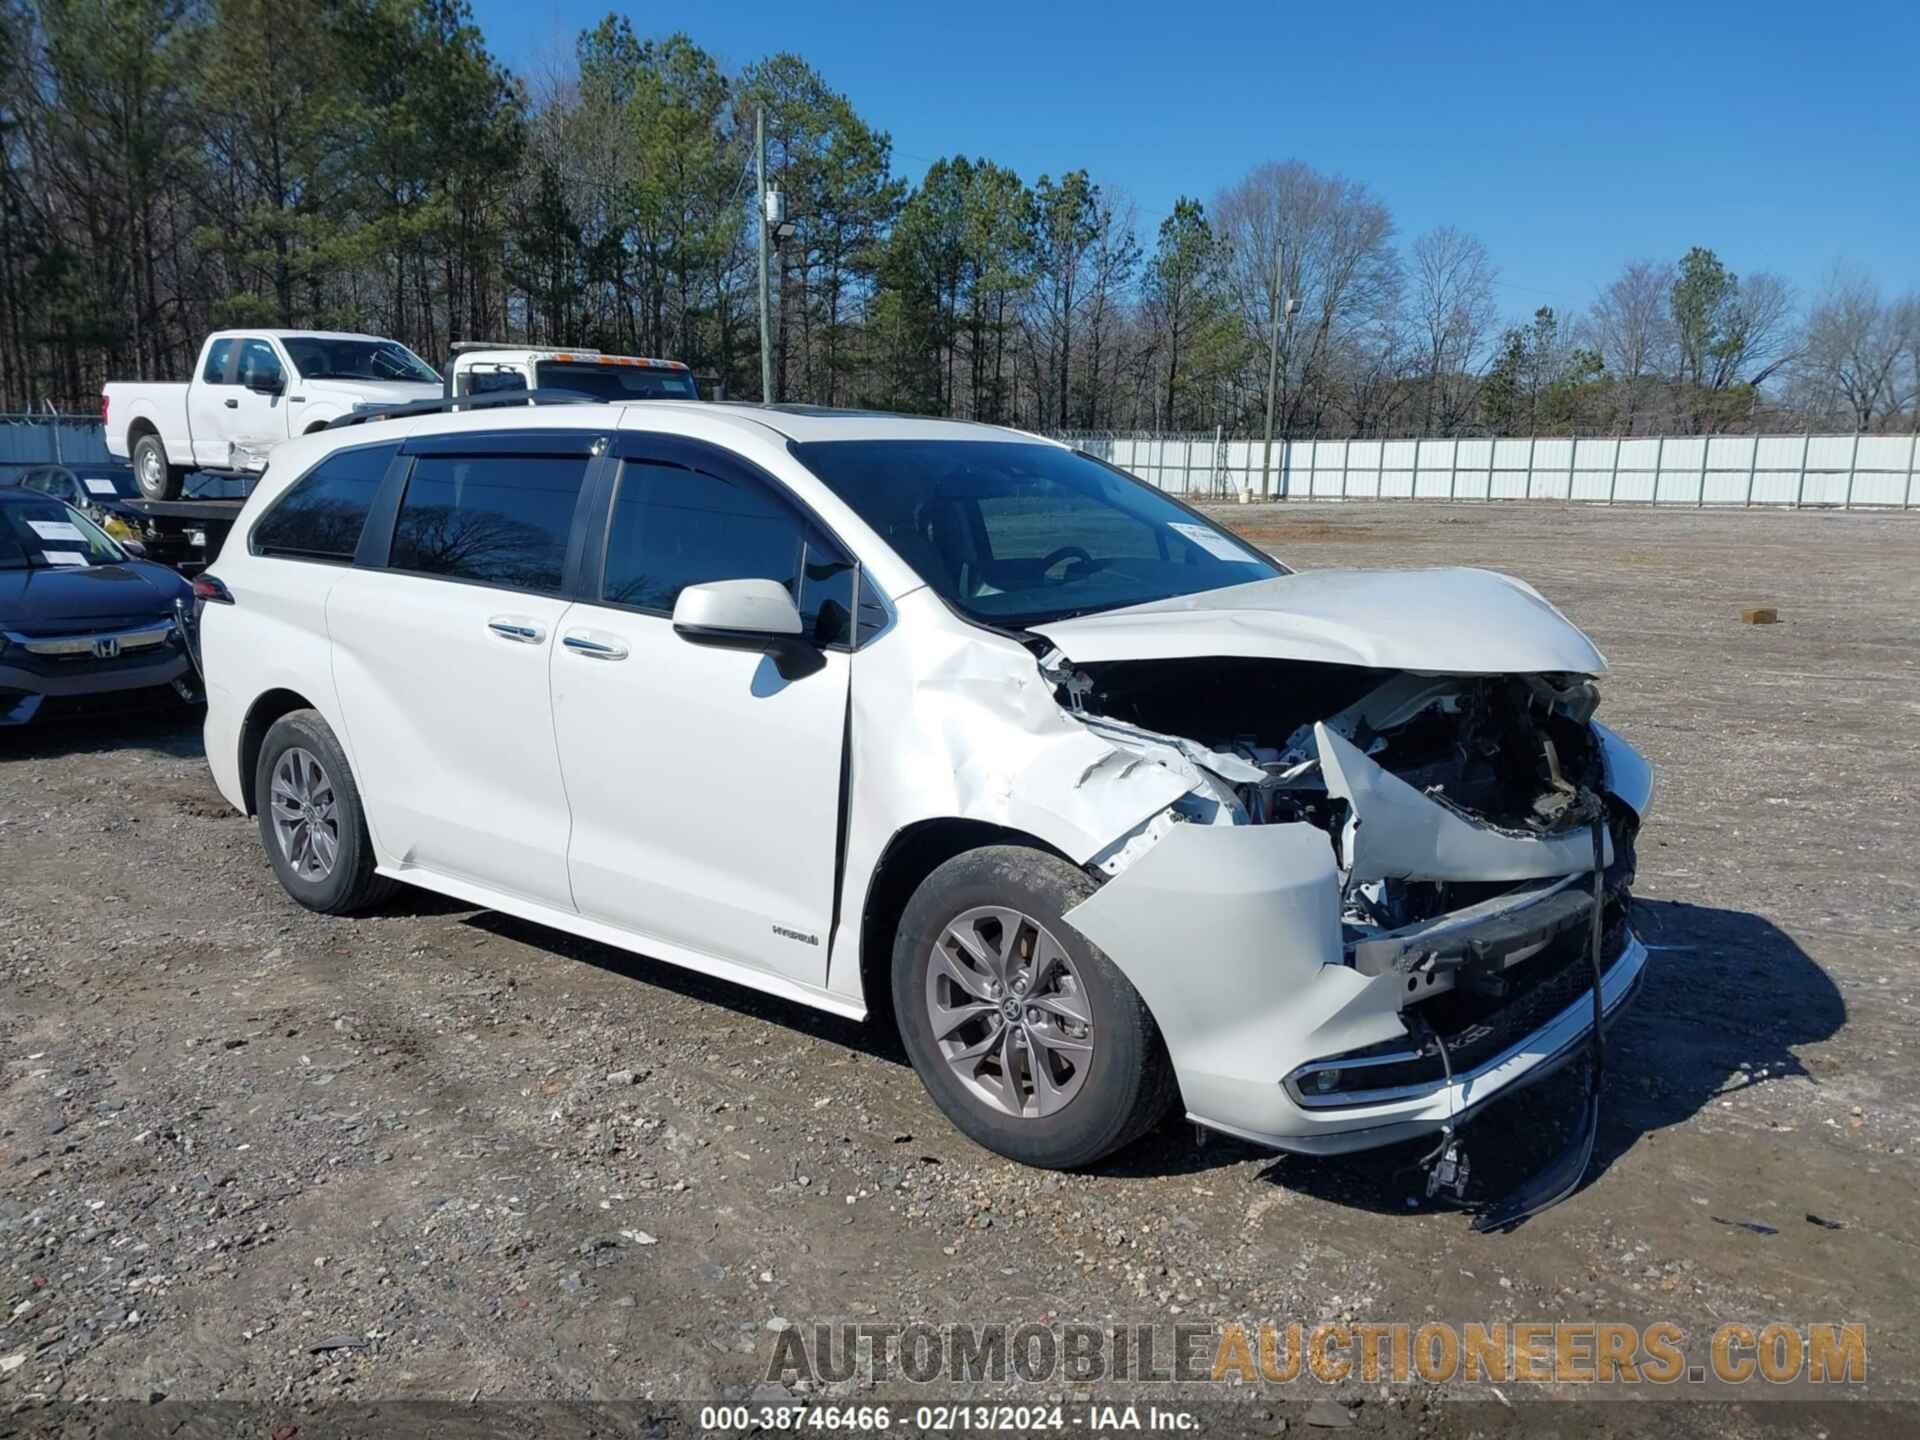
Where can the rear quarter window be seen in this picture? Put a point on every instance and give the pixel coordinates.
(321, 515)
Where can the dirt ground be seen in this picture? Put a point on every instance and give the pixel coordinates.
(251, 1154)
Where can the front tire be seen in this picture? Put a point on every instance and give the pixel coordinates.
(311, 819)
(1025, 1034)
(156, 478)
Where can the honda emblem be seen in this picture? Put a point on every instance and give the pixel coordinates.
(107, 647)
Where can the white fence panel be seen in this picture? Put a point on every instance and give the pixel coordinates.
(1844, 471)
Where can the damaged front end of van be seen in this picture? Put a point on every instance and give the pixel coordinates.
(1399, 883)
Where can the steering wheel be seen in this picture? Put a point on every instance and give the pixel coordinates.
(1065, 552)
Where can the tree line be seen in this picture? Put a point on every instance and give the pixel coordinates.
(172, 166)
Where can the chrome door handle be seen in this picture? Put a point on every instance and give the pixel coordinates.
(594, 649)
(509, 628)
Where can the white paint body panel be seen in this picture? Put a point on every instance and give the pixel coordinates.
(452, 728)
(953, 722)
(273, 638)
(704, 790)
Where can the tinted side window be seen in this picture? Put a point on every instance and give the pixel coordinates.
(673, 527)
(497, 519)
(215, 372)
(321, 515)
(259, 364)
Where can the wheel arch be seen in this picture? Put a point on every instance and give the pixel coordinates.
(266, 709)
(911, 855)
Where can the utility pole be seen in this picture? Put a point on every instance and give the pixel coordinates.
(760, 230)
(1275, 305)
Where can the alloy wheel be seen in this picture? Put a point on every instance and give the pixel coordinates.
(306, 819)
(1009, 1012)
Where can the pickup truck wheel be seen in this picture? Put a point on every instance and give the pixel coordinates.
(1025, 1034)
(311, 821)
(157, 479)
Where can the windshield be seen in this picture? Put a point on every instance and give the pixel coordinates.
(39, 533)
(1019, 534)
(616, 382)
(319, 358)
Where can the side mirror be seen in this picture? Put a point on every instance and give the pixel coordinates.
(747, 615)
(136, 548)
(265, 383)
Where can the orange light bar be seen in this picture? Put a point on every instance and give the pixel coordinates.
(567, 358)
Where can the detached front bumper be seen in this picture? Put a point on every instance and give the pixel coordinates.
(1232, 936)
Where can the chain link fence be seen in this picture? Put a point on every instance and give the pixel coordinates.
(1840, 471)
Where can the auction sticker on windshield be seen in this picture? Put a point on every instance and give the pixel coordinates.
(1212, 541)
(58, 530)
(100, 487)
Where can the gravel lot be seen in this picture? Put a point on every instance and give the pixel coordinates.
(252, 1154)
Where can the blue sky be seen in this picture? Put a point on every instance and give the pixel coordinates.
(1570, 138)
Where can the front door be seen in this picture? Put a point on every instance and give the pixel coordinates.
(212, 406)
(257, 413)
(441, 659)
(705, 787)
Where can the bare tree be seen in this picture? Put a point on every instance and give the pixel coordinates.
(1450, 278)
(1373, 366)
(1854, 343)
(1631, 327)
(1295, 234)
(1765, 339)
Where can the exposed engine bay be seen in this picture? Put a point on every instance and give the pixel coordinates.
(1513, 756)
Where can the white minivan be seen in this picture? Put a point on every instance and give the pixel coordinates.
(949, 724)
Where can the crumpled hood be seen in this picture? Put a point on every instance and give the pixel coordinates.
(1437, 622)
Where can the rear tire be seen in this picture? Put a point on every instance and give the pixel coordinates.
(1025, 1034)
(156, 478)
(311, 820)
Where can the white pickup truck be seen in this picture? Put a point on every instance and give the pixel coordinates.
(251, 390)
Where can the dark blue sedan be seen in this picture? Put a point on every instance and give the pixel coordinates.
(80, 619)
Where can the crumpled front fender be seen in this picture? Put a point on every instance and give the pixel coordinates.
(1231, 934)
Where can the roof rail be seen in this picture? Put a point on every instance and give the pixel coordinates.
(498, 399)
